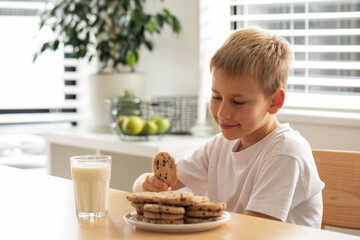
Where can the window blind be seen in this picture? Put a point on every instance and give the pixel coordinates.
(325, 38)
(44, 92)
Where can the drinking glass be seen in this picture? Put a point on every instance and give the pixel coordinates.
(91, 177)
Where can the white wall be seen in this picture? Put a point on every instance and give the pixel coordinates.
(325, 132)
(172, 68)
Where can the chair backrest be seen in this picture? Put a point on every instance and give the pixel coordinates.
(340, 171)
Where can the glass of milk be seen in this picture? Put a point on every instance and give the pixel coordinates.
(91, 178)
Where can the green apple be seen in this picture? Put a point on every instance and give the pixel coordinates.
(163, 124)
(149, 128)
(155, 117)
(133, 125)
(119, 123)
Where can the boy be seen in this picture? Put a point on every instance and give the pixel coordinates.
(256, 165)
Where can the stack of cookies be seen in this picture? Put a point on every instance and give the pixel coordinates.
(164, 207)
(175, 207)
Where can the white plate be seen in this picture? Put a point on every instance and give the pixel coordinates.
(194, 227)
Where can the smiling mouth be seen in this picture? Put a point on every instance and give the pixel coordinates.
(226, 126)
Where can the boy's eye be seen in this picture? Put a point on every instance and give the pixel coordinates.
(216, 98)
(239, 102)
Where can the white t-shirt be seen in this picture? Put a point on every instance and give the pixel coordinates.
(276, 176)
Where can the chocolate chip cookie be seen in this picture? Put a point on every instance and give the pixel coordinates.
(165, 168)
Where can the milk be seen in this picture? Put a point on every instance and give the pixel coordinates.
(91, 186)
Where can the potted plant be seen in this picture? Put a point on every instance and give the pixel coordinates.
(110, 32)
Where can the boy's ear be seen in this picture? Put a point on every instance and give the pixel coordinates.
(277, 101)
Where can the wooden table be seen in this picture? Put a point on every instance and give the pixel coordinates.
(37, 207)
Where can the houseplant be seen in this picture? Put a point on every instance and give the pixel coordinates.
(110, 32)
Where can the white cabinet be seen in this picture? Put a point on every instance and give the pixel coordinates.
(130, 158)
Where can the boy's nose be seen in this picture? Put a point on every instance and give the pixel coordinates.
(224, 112)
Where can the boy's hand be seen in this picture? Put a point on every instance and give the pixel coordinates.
(149, 182)
(153, 184)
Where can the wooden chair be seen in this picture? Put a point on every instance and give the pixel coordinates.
(340, 171)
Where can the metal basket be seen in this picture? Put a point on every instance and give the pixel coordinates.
(148, 109)
(183, 111)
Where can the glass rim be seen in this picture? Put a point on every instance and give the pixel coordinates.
(90, 158)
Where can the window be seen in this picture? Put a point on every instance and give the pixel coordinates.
(325, 38)
(41, 93)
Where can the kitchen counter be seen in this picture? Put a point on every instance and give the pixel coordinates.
(130, 158)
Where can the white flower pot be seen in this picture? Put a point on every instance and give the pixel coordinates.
(102, 86)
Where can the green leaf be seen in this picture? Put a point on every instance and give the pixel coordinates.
(55, 45)
(44, 47)
(138, 20)
(160, 20)
(149, 45)
(53, 11)
(35, 57)
(42, 23)
(176, 25)
(132, 59)
(151, 25)
(166, 12)
(87, 37)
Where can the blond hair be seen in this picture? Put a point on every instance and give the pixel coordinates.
(254, 52)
